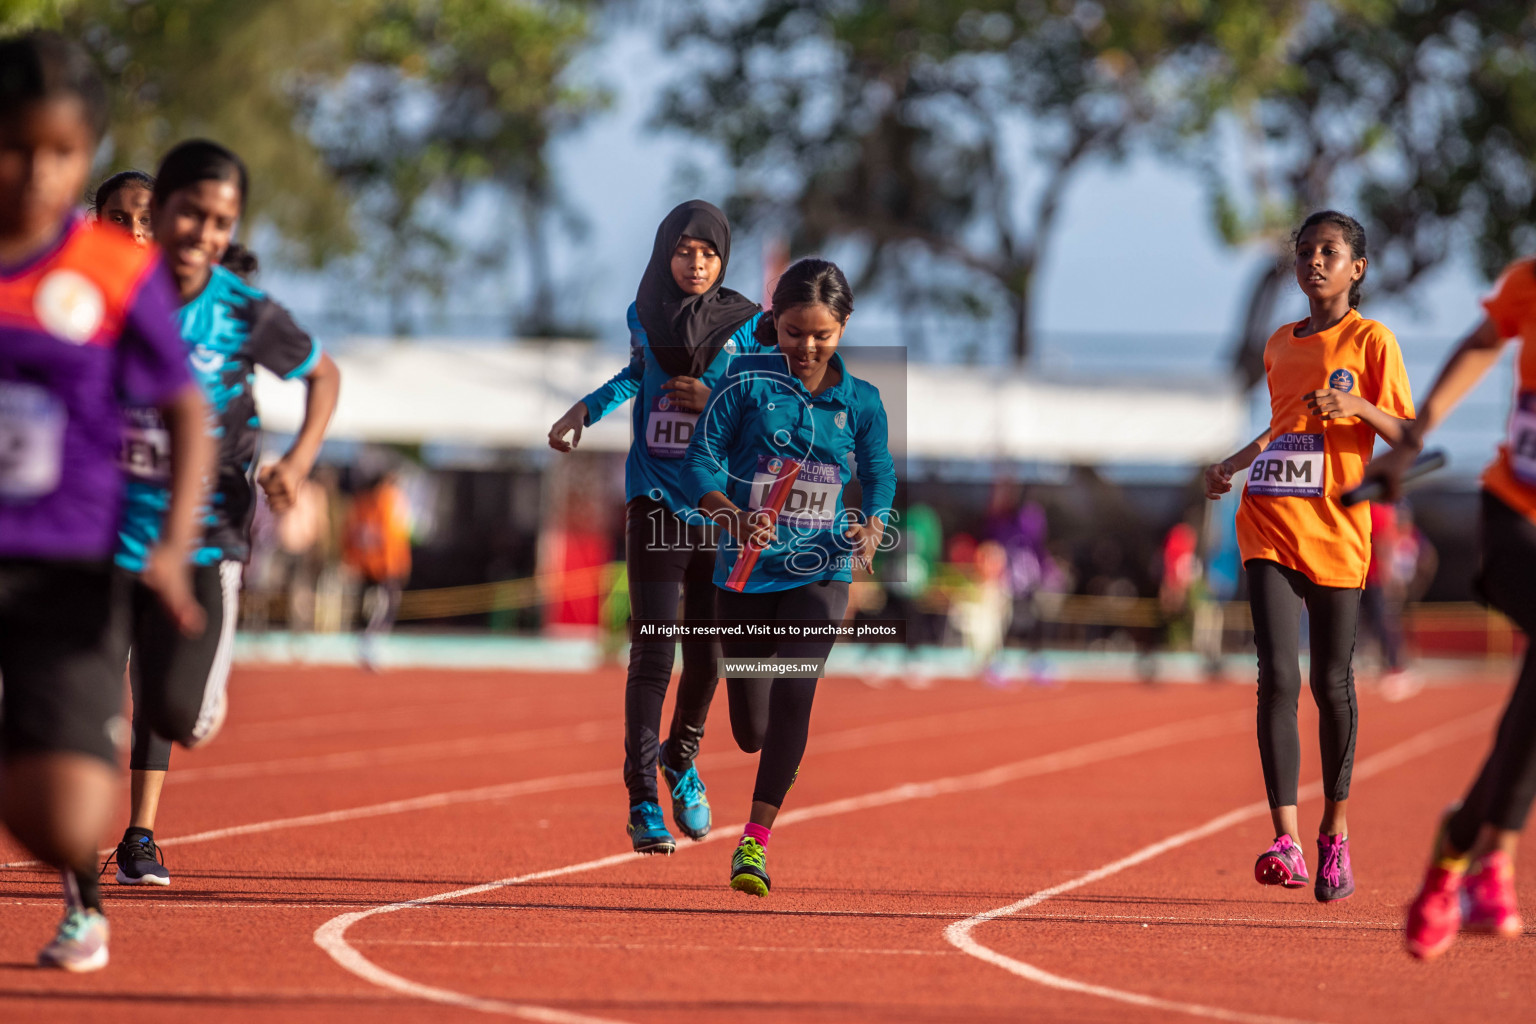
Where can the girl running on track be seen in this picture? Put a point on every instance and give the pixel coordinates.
(684, 329)
(1471, 882)
(1336, 382)
(228, 328)
(87, 321)
(123, 201)
(800, 404)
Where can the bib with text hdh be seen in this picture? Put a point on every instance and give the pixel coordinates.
(668, 429)
(1291, 467)
(1522, 437)
(32, 422)
(146, 446)
(812, 500)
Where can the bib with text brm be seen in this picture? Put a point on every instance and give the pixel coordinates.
(1522, 438)
(32, 421)
(668, 429)
(146, 446)
(812, 500)
(1291, 467)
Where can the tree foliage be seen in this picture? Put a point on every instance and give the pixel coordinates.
(1419, 117)
(938, 131)
(364, 122)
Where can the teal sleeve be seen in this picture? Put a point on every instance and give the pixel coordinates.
(876, 469)
(705, 464)
(622, 386)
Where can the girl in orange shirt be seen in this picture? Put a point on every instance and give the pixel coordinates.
(1336, 382)
(1471, 879)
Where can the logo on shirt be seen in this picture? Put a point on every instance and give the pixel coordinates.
(774, 466)
(729, 348)
(841, 419)
(663, 403)
(69, 306)
(1341, 380)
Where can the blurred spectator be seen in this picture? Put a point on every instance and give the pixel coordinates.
(303, 536)
(1402, 562)
(377, 546)
(982, 612)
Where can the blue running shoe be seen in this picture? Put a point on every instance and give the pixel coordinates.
(648, 830)
(690, 808)
(749, 868)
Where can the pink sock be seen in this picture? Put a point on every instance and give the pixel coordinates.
(757, 832)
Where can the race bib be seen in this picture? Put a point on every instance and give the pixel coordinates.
(812, 500)
(1291, 467)
(32, 424)
(668, 429)
(1522, 437)
(146, 446)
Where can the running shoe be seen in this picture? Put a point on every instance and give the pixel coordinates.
(648, 830)
(80, 944)
(1434, 918)
(749, 867)
(1335, 878)
(1282, 864)
(1488, 896)
(139, 862)
(690, 808)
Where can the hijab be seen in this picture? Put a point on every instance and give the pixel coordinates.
(685, 331)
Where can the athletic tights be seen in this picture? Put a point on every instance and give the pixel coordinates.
(1502, 794)
(666, 558)
(774, 715)
(1276, 595)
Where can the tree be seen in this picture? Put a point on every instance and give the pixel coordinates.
(1419, 117)
(365, 123)
(939, 135)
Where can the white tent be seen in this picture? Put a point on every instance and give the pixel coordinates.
(507, 395)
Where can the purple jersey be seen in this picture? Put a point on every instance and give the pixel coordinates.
(86, 328)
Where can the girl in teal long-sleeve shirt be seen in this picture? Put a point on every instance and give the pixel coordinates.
(800, 404)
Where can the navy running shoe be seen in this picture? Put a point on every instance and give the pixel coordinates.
(749, 867)
(690, 808)
(648, 830)
(139, 861)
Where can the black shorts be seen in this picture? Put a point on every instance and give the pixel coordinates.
(61, 688)
(179, 681)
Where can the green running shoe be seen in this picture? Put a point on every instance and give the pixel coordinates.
(749, 867)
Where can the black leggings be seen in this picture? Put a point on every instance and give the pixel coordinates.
(179, 682)
(774, 715)
(1502, 794)
(1276, 594)
(666, 558)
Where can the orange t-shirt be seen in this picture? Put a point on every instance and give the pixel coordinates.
(1511, 477)
(1291, 511)
(378, 535)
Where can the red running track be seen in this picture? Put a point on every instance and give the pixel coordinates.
(334, 794)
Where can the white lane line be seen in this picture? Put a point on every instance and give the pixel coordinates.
(851, 739)
(528, 739)
(643, 947)
(959, 933)
(331, 936)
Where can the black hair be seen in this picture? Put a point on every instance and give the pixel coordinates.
(1354, 234)
(198, 160)
(809, 282)
(37, 66)
(115, 184)
(240, 261)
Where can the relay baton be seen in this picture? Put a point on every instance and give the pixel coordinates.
(778, 493)
(1375, 491)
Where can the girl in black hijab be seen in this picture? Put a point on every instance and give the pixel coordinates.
(684, 328)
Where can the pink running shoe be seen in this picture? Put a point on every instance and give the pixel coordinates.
(1282, 864)
(1335, 878)
(1488, 897)
(1435, 916)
